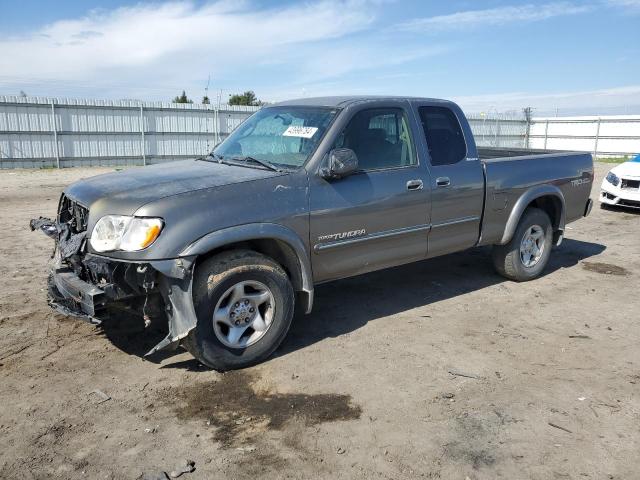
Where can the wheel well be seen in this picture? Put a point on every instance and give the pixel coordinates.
(552, 206)
(278, 250)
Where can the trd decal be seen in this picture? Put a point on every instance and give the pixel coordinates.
(580, 181)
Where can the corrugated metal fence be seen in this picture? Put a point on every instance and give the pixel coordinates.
(613, 135)
(500, 130)
(49, 132)
(603, 136)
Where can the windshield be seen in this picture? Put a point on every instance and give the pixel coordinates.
(282, 136)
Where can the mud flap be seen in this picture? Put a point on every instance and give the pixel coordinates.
(176, 284)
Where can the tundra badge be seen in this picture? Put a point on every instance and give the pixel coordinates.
(340, 236)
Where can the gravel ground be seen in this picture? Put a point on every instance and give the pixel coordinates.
(545, 382)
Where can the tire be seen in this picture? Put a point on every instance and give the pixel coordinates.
(508, 259)
(216, 286)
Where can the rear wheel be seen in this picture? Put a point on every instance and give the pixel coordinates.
(244, 304)
(526, 255)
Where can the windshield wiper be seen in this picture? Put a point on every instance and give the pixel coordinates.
(213, 156)
(264, 163)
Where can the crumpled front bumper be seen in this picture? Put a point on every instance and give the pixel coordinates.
(614, 195)
(81, 299)
(84, 285)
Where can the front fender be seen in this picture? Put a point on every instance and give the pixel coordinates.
(258, 231)
(523, 202)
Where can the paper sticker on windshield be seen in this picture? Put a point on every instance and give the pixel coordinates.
(304, 132)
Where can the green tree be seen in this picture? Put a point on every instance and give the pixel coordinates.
(182, 98)
(246, 98)
(205, 100)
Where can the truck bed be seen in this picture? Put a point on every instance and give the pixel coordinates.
(511, 173)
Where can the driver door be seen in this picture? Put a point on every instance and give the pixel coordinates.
(378, 216)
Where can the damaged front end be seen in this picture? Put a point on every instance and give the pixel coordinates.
(95, 287)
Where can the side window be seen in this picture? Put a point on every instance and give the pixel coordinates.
(380, 138)
(444, 135)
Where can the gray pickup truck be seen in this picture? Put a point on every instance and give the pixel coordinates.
(303, 192)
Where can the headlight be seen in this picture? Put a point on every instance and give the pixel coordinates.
(119, 232)
(613, 179)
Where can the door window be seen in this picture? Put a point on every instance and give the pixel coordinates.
(444, 135)
(380, 138)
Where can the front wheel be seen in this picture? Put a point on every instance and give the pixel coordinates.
(244, 304)
(526, 255)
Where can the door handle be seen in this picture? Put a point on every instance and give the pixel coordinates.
(415, 185)
(443, 181)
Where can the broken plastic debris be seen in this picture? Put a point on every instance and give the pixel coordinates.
(101, 395)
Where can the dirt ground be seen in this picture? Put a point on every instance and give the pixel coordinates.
(362, 388)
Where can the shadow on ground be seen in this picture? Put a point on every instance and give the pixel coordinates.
(127, 332)
(346, 305)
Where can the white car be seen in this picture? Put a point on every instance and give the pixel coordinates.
(621, 186)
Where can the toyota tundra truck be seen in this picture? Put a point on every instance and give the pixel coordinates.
(301, 193)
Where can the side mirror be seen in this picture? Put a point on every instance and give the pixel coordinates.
(342, 162)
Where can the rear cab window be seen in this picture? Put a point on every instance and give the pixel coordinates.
(444, 136)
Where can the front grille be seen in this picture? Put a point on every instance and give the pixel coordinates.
(632, 184)
(73, 214)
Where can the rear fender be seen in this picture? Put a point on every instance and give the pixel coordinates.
(524, 201)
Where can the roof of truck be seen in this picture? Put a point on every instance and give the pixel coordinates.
(343, 101)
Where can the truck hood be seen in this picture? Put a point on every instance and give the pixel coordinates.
(125, 191)
(628, 169)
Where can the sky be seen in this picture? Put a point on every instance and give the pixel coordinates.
(563, 57)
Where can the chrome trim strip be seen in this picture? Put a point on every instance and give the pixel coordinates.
(456, 221)
(319, 247)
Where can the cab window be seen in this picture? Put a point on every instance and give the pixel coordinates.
(380, 139)
(444, 135)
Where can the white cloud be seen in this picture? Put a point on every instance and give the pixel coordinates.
(155, 50)
(328, 62)
(621, 100)
(170, 43)
(632, 5)
(361, 68)
(495, 16)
